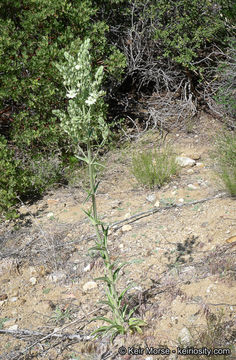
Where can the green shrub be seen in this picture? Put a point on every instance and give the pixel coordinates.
(154, 168)
(225, 157)
(8, 178)
(34, 35)
(24, 179)
(226, 74)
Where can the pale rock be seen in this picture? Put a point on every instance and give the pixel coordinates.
(6, 265)
(185, 337)
(90, 285)
(115, 204)
(126, 228)
(190, 171)
(127, 215)
(192, 187)
(121, 246)
(13, 328)
(13, 299)
(210, 288)
(50, 215)
(57, 330)
(157, 203)
(185, 161)
(23, 210)
(87, 268)
(57, 276)
(181, 200)
(151, 198)
(33, 280)
(2, 302)
(9, 323)
(200, 164)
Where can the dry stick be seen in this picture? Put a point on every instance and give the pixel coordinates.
(51, 335)
(154, 210)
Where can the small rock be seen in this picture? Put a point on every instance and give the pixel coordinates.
(13, 328)
(185, 161)
(190, 171)
(57, 330)
(50, 215)
(151, 198)
(121, 246)
(199, 164)
(87, 268)
(14, 299)
(157, 203)
(192, 187)
(56, 276)
(52, 201)
(23, 210)
(231, 239)
(126, 228)
(9, 323)
(195, 156)
(115, 204)
(33, 280)
(89, 285)
(181, 200)
(185, 337)
(127, 215)
(209, 289)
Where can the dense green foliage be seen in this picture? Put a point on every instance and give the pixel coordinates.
(226, 75)
(168, 44)
(35, 34)
(185, 28)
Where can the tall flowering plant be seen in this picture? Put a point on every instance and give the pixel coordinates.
(84, 122)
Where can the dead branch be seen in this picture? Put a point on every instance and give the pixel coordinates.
(155, 210)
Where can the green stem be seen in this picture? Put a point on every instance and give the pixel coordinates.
(107, 259)
(92, 188)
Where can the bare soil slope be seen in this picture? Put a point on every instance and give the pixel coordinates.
(181, 254)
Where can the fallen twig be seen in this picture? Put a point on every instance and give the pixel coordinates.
(54, 334)
(155, 210)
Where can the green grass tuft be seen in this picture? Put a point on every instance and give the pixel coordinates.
(154, 168)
